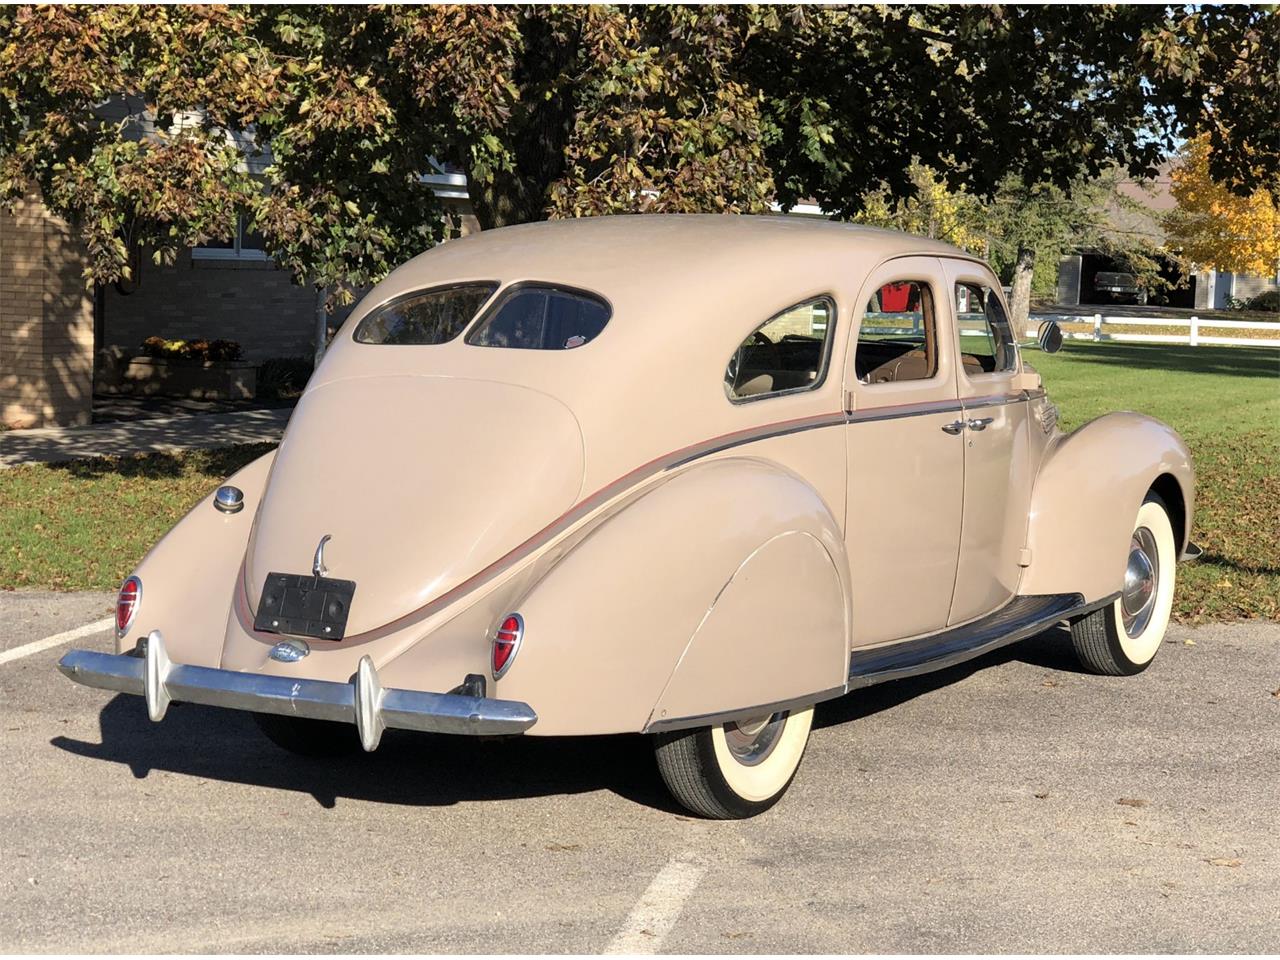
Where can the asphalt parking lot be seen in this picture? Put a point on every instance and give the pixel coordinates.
(1011, 804)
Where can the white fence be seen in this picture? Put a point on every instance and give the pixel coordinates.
(1194, 327)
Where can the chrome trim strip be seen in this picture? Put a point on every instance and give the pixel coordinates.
(921, 409)
(976, 403)
(365, 702)
(746, 713)
(753, 435)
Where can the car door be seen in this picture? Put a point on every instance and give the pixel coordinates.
(997, 460)
(905, 453)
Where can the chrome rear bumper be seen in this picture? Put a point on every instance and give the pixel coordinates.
(365, 702)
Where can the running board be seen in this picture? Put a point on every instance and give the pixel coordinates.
(1022, 617)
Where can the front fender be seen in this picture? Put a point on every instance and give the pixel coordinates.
(737, 552)
(1086, 495)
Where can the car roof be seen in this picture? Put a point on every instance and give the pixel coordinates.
(684, 292)
(667, 265)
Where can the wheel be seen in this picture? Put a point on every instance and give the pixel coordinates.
(1123, 638)
(734, 770)
(307, 737)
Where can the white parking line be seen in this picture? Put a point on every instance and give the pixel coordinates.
(27, 649)
(658, 909)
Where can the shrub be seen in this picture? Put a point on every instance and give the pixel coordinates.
(1266, 300)
(198, 350)
(282, 378)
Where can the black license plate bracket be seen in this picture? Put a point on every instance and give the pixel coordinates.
(304, 605)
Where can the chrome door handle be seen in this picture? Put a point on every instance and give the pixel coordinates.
(954, 427)
(980, 424)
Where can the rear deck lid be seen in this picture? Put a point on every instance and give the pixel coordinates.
(420, 482)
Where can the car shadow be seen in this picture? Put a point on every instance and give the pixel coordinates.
(1216, 559)
(418, 769)
(411, 769)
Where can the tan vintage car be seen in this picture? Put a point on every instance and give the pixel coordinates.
(680, 476)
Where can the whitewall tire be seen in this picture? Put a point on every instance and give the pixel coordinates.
(1124, 637)
(734, 770)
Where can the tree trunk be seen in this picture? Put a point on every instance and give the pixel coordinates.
(1020, 299)
(322, 325)
(538, 131)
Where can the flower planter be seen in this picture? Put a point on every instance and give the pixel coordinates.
(202, 380)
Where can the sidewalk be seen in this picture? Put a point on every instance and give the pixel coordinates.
(141, 436)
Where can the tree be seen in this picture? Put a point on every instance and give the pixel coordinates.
(1216, 227)
(576, 111)
(158, 126)
(1050, 94)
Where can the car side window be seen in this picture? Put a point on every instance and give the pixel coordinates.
(898, 338)
(986, 340)
(788, 353)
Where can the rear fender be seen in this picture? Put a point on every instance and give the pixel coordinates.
(1086, 495)
(723, 587)
(189, 576)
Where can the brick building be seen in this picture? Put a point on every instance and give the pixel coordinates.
(53, 330)
(46, 321)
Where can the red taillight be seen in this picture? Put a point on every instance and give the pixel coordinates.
(127, 604)
(506, 642)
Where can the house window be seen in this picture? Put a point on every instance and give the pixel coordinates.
(245, 245)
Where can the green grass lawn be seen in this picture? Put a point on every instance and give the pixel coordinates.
(1225, 401)
(85, 525)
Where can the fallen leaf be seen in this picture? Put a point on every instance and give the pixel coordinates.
(1131, 823)
(1188, 642)
(1276, 692)
(1040, 796)
(1131, 802)
(558, 847)
(1048, 683)
(1224, 861)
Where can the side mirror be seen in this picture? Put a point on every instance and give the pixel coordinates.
(1050, 336)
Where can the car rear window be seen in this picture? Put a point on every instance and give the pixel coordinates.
(427, 316)
(535, 317)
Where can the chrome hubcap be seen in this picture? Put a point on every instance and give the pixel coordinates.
(750, 741)
(1140, 579)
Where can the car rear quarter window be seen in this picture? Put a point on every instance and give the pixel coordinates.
(538, 317)
(788, 353)
(425, 317)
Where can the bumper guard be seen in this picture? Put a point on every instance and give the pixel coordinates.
(364, 702)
